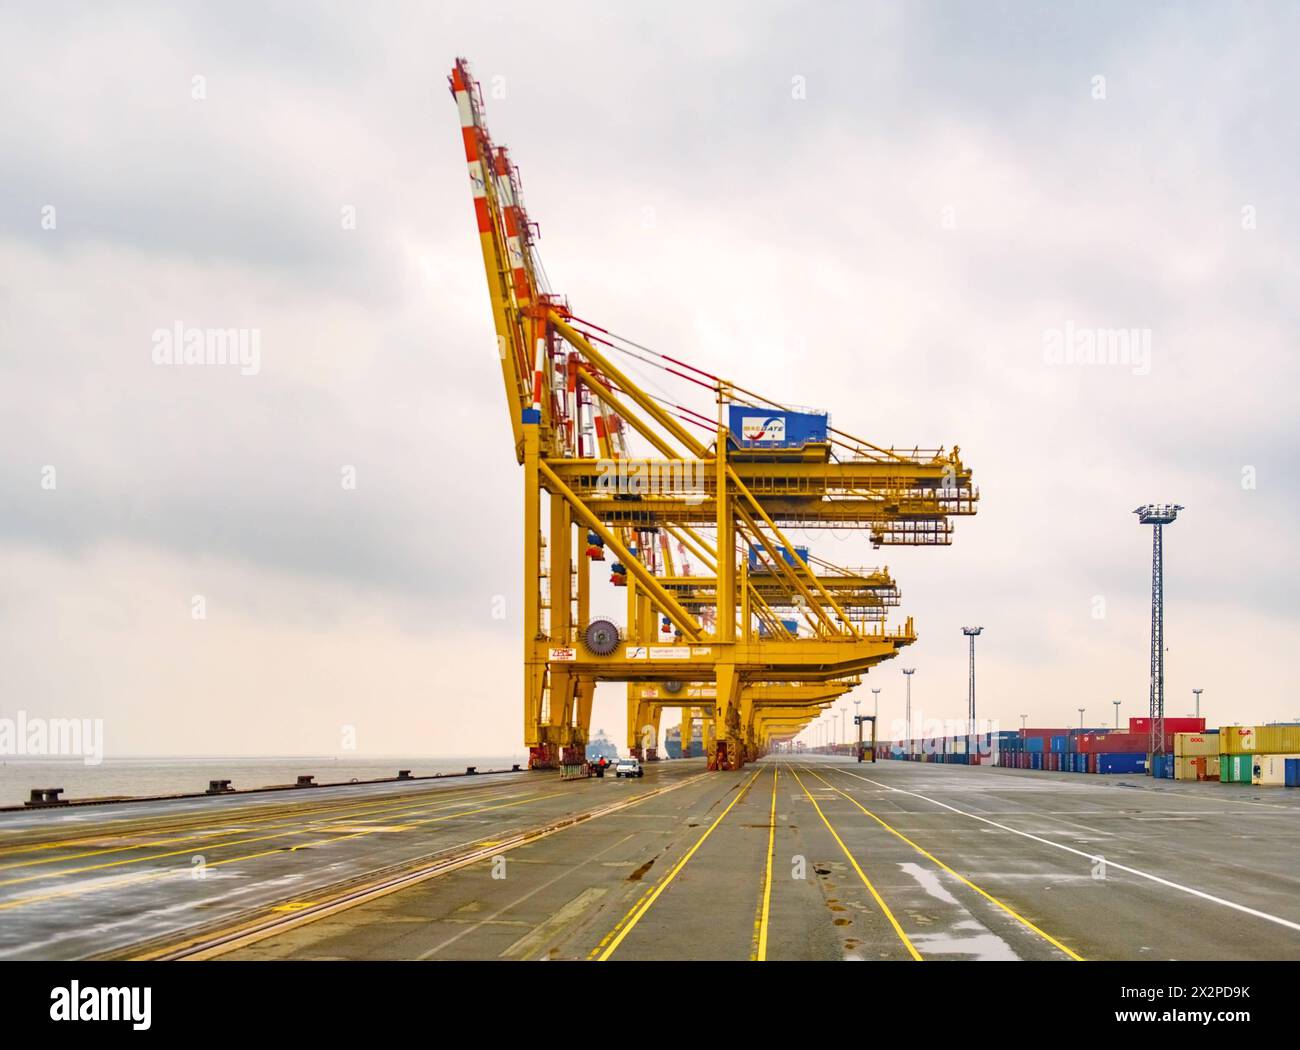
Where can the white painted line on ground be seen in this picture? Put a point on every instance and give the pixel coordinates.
(1093, 857)
(1059, 780)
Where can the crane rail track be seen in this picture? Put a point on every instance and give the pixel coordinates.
(206, 944)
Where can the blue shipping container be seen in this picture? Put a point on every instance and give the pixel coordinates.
(1058, 743)
(790, 625)
(1036, 761)
(1293, 772)
(756, 563)
(1122, 763)
(765, 428)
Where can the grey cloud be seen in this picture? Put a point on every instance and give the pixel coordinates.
(797, 247)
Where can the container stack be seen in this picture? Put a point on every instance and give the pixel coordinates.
(1267, 755)
(1196, 755)
(1258, 754)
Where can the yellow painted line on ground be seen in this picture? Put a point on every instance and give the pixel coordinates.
(962, 878)
(250, 931)
(128, 880)
(609, 944)
(911, 948)
(160, 837)
(765, 908)
(295, 828)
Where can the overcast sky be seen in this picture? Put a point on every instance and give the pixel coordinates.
(882, 210)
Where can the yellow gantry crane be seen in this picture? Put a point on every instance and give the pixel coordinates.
(689, 507)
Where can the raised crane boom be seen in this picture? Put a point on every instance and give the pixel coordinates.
(520, 306)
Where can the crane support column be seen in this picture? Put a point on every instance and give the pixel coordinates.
(568, 726)
(650, 732)
(542, 753)
(638, 717)
(688, 730)
(725, 751)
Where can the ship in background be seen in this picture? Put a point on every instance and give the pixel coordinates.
(673, 741)
(600, 746)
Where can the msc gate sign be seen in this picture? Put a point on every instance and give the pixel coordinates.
(763, 428)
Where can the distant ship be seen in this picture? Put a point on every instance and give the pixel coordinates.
(600, 746)
(673, 740)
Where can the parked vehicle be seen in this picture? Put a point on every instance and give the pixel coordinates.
(629, 767)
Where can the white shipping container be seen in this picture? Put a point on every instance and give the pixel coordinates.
(1270, 770)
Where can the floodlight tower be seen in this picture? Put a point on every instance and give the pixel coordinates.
(972, 633)
(1157, 515)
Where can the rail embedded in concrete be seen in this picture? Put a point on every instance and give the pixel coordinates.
(205, 942)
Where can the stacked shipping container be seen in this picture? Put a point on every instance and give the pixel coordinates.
(1264, 755)
(1258, 754)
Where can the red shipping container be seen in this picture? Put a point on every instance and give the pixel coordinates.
(1172, 725)
(1114, 743)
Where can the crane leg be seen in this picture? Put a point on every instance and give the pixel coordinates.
(636, 711)
(727, 750)
(543, 752)
(650, 733)
(749, 746)
(688, 730)
(569, 722)
(584, 692)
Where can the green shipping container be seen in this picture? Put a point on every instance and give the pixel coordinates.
(1235, 769)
